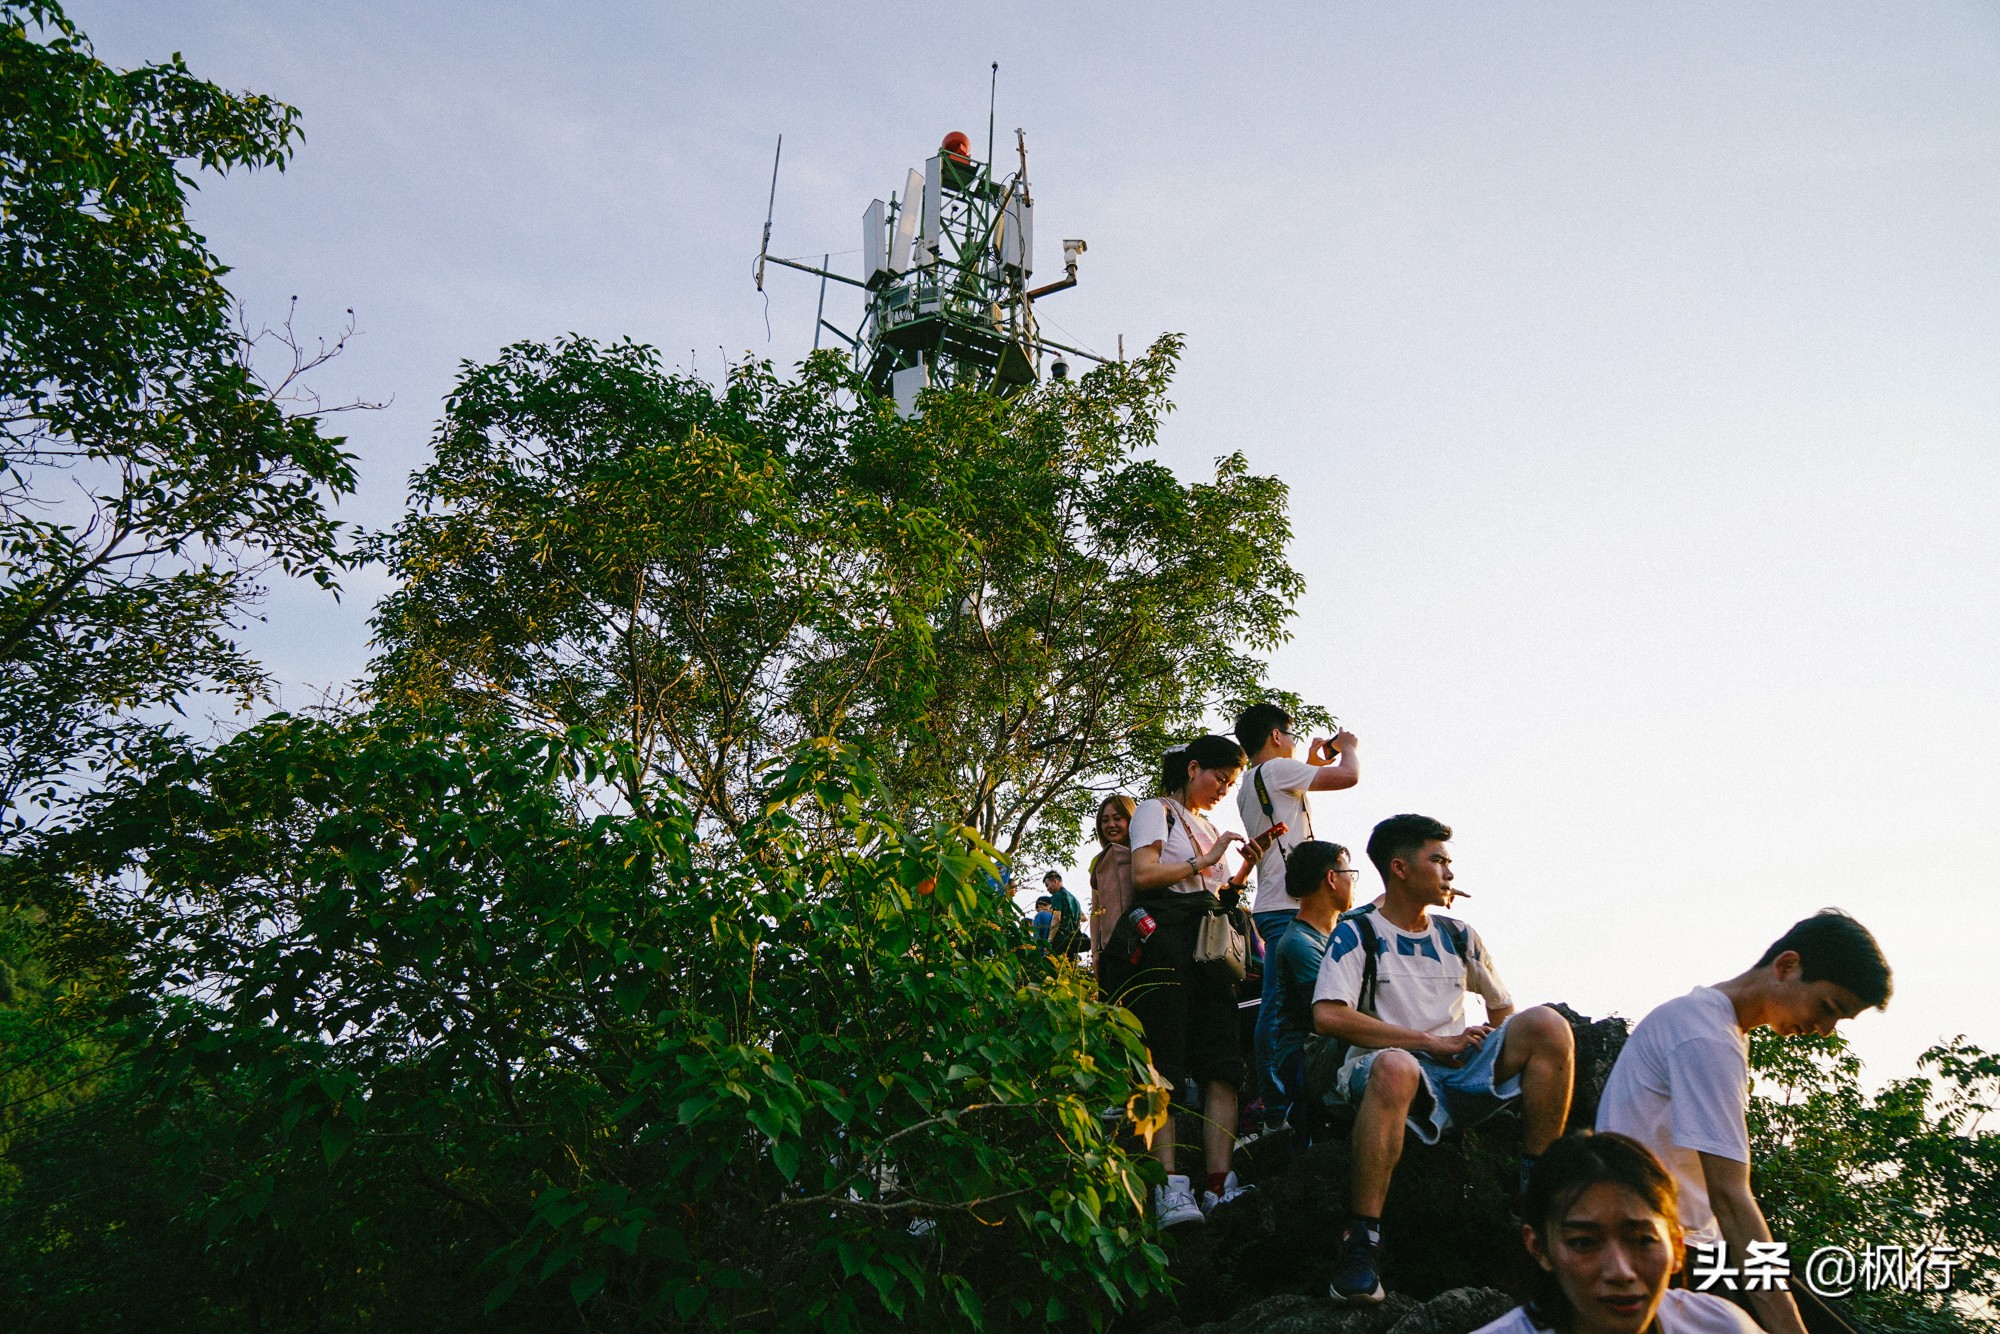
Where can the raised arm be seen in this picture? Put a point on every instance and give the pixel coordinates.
(1339, 762)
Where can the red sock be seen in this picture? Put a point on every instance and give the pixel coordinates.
(1216, 1181)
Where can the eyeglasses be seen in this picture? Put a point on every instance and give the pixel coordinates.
(1347, 870)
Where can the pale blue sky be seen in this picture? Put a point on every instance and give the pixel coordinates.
(1634, 369)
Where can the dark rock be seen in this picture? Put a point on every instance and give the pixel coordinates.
(1451, 1251)
(1459, 1311)
(1598, 1043)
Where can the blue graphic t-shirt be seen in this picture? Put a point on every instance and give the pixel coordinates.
(1420, 980)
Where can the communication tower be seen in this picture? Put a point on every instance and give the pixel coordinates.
(947, 266)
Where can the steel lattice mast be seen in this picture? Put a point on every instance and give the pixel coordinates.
(947, 265)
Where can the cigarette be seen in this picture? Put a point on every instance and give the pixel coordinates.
(1458, 893)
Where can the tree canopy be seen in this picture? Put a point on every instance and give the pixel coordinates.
(1003, 600)
(147, 472)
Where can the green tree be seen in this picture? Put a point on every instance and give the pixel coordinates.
(1001, 599)
(148, 474)
(426, 1032)
(1909, 1166)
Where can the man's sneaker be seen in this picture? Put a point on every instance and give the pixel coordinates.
(1173, 1203)
(1354, 1278)
(1232, 1189)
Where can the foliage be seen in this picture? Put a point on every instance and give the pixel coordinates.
(147, 474)
(428, 1033)
(1909, 1165)
(1000, 599)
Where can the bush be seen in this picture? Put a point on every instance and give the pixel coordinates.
(1909, 1166)
(425, 1032)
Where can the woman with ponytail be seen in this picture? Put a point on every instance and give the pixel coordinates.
(1188, 1012)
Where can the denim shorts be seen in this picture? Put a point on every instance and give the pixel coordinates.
(1452, 1096)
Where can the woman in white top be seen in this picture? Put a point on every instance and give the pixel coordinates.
(1188, 1013)
(1603, 1226)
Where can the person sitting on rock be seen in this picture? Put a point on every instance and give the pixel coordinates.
(1319, 879)
(1681, 1087)
(1393, 987)
(1601, 1221)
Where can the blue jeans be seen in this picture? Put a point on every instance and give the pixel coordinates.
(1272, 927)
(1452, 1096)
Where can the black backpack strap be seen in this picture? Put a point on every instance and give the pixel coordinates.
(1370, 968)
(1461, 940)
(1270, 815)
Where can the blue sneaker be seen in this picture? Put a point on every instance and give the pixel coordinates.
(1354, 1279)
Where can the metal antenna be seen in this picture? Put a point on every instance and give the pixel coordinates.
(992, 94)
(819, 316)
(769, 206)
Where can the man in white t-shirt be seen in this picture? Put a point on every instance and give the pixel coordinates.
(1274, 792)
(1414, 1064)
(1681, 1086)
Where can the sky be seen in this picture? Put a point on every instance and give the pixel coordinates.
(1632, 367)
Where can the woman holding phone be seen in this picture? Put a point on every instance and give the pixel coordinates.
(1188, 1012)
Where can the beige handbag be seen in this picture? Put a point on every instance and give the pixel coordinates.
(1220, 947)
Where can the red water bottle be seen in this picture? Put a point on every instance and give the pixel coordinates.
(1142, 922)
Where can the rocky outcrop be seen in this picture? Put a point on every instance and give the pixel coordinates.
(1451, 1252)
(1450, 1312)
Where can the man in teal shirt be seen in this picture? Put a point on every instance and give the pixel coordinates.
(1066, 936)
(1317, 874)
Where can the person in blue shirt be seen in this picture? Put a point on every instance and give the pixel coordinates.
(1319, 877)
(1044, 920)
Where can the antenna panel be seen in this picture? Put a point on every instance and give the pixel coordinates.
(1017, 236)
(875, 244)
(933, 205)
(906, 384)
(907, 215)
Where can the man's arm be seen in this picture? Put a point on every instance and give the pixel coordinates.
(1340, 1020)
(1742, 1222)
(1338, 762)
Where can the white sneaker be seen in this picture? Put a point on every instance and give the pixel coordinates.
(1173, 1203)
(1232, 1189)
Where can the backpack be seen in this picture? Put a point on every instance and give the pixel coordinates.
(1325, 1055)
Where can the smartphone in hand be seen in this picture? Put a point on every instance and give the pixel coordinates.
(1254, 850)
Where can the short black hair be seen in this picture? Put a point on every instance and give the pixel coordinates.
(1307, 864)
(1400, 835)
(1051, 875)
(1206, 752)
(1044, 899)
(1833, 947)
(1254, 724)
